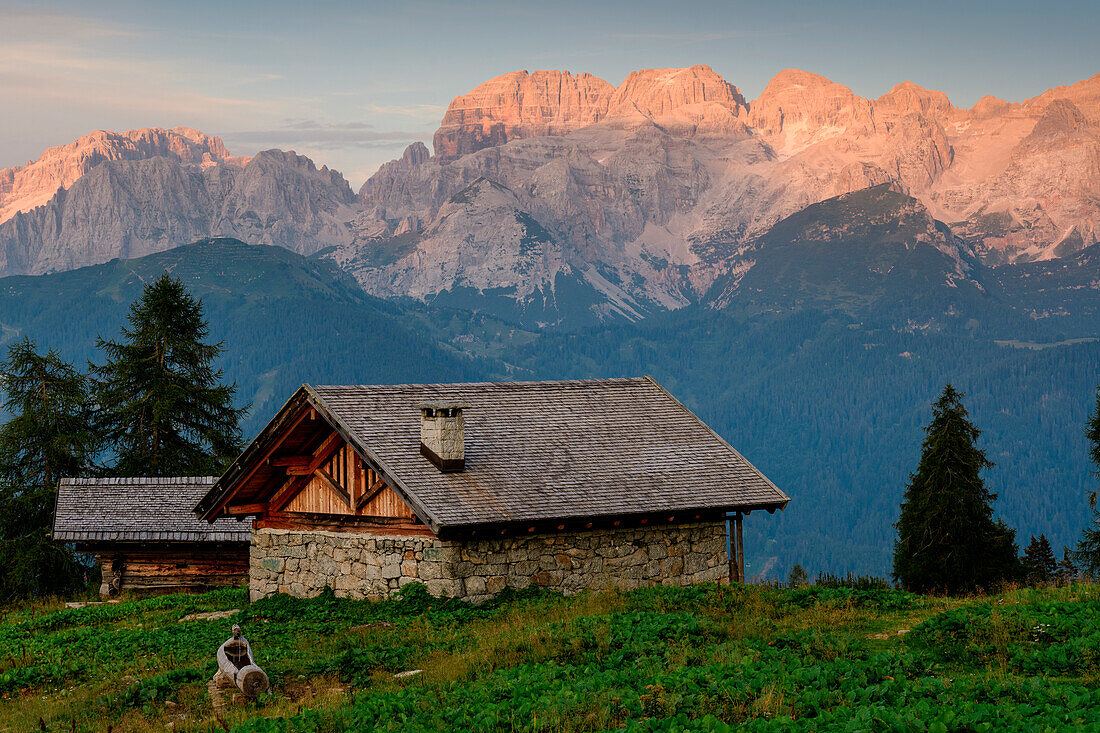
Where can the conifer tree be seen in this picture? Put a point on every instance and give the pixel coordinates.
(1039, 563)
(1067, 570)
(1087, 553)
(49, 437)
(947, 538)
(797, 577)
(163, 409)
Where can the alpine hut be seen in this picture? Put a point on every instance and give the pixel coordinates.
(471, 488)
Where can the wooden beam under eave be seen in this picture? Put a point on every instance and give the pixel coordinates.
(375, 489)
(239, 509)
(243, 480)
(289, 461)
(334, 487)
(286, 492)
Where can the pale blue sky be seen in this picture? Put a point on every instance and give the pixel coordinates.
(350, 84)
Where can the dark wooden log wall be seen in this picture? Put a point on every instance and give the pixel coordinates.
(171, 568)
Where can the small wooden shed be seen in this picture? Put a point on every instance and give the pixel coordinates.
(145, 536)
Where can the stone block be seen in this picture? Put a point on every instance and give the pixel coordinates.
(526, 568)
(274, 564)
(547, 578)
(393, 570)
(441, 588)
(694, 563)
(475, 586)
(672, 566)
(564, 561)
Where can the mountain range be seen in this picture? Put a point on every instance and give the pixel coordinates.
(562, 199)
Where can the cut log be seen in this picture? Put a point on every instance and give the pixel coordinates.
(236, 662)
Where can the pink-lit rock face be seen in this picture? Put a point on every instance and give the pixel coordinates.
(518, 105)
(672, 176)
(657, 93)
(521, 105)
(23, 188)
(645, 192)
(798, 109)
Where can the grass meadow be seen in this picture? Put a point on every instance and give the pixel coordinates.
(707, 658)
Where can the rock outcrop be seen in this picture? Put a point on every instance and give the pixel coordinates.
(129, 208)
(519, 105)
(23, 188)
(522, 105)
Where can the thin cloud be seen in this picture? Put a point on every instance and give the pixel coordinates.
(697, 37)
(20, 20)
(416, 111)
(323, 136)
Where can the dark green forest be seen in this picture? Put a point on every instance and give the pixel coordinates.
(827, 399)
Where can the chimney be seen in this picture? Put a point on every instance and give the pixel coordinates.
(441, 435)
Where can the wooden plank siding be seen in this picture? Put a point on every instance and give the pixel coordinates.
(170, 568)
(347, 471)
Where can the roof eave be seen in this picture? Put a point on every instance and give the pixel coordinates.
(723, 510)
(211, 504)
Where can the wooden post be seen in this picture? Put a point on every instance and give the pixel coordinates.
(740, 550)
(732, 559)
(737, 552)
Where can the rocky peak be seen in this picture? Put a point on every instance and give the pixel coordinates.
(1061, 119)
(1085, 94)
(989, 106)
(908, 98)
(799, 108)
(520, 104)
(393, 174)
(23, 188)
(415, 154)
(660, 92)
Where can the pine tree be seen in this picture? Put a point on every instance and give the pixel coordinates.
(1087, 553)
(1039, 563)
(163, 408)
(50, 436)
(1067, 570)
(797, 577)
(947, 539)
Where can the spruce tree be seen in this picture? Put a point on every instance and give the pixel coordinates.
(1067, 570)
(49, 437)
(797, 577)
(1039, 563)
(947, 538)
(1087, 553)
(163, 408)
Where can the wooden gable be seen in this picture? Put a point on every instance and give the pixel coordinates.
(309, 477)
(345, 486)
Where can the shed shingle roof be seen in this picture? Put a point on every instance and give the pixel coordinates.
(544, 450)
(139, 509)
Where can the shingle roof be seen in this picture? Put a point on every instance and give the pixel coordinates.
(137, 509)
(549, 450)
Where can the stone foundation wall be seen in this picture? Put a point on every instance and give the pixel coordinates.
(303, 563)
